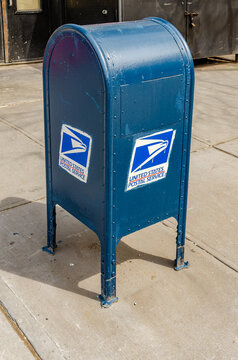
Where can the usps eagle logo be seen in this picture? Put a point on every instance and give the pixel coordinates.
(150, 158)
(75, 151)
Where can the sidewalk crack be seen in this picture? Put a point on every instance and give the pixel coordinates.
(20, 103)
(22, 204)
(206, 248)
(19, 330)
(22, 132)
(225, 151)
(14, 324)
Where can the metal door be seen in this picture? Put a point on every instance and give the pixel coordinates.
(210, 27)
(56, 14)
(172, 11)
(90, 12)
(27, 29)
(1, 36)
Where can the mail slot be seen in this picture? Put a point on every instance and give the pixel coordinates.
(118, 112)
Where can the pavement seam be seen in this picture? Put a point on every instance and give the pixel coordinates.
(20, 103)
(35, 318)
(225, 141)
(213, 253)
(27, 63)
(218, 84)
(22, 204)
(206, 248)
(20, 130)
(215, 146)
(201, 140)
(225, 151)
(15, 326)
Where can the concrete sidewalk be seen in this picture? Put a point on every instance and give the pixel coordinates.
(50, 303)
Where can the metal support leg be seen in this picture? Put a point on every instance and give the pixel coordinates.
(182, 213)
(51, 229)
(108, 272)
(179, 262)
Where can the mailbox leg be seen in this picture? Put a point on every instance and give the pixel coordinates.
(51, 229)
(179, 262)
(108, 272)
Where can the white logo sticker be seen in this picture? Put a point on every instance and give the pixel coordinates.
(75, 150)
(150, 158)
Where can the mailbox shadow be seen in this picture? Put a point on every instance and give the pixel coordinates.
(23, 233)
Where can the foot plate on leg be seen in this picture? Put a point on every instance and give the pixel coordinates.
(182, 266)
(109, 302)
(48, 249)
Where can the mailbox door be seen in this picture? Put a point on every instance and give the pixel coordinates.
(76, 127)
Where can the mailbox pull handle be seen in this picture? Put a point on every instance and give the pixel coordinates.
(191, 15)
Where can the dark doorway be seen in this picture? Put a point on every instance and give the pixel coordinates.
(82, 12)
(210, 27)
(27, 29)
(90, 12)
(172, 11)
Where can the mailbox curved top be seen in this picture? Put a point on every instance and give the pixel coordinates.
(128, 52)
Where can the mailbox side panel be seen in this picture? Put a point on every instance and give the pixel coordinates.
(151, 193)
(75, 116)
(150, 111)
(152, 80)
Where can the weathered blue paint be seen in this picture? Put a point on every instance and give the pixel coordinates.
(118, 83)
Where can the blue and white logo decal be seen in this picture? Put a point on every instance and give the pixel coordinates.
(150, 158)
(75, 150)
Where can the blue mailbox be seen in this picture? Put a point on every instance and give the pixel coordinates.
(118, 114)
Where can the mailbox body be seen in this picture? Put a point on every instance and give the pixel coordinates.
(118, 111)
